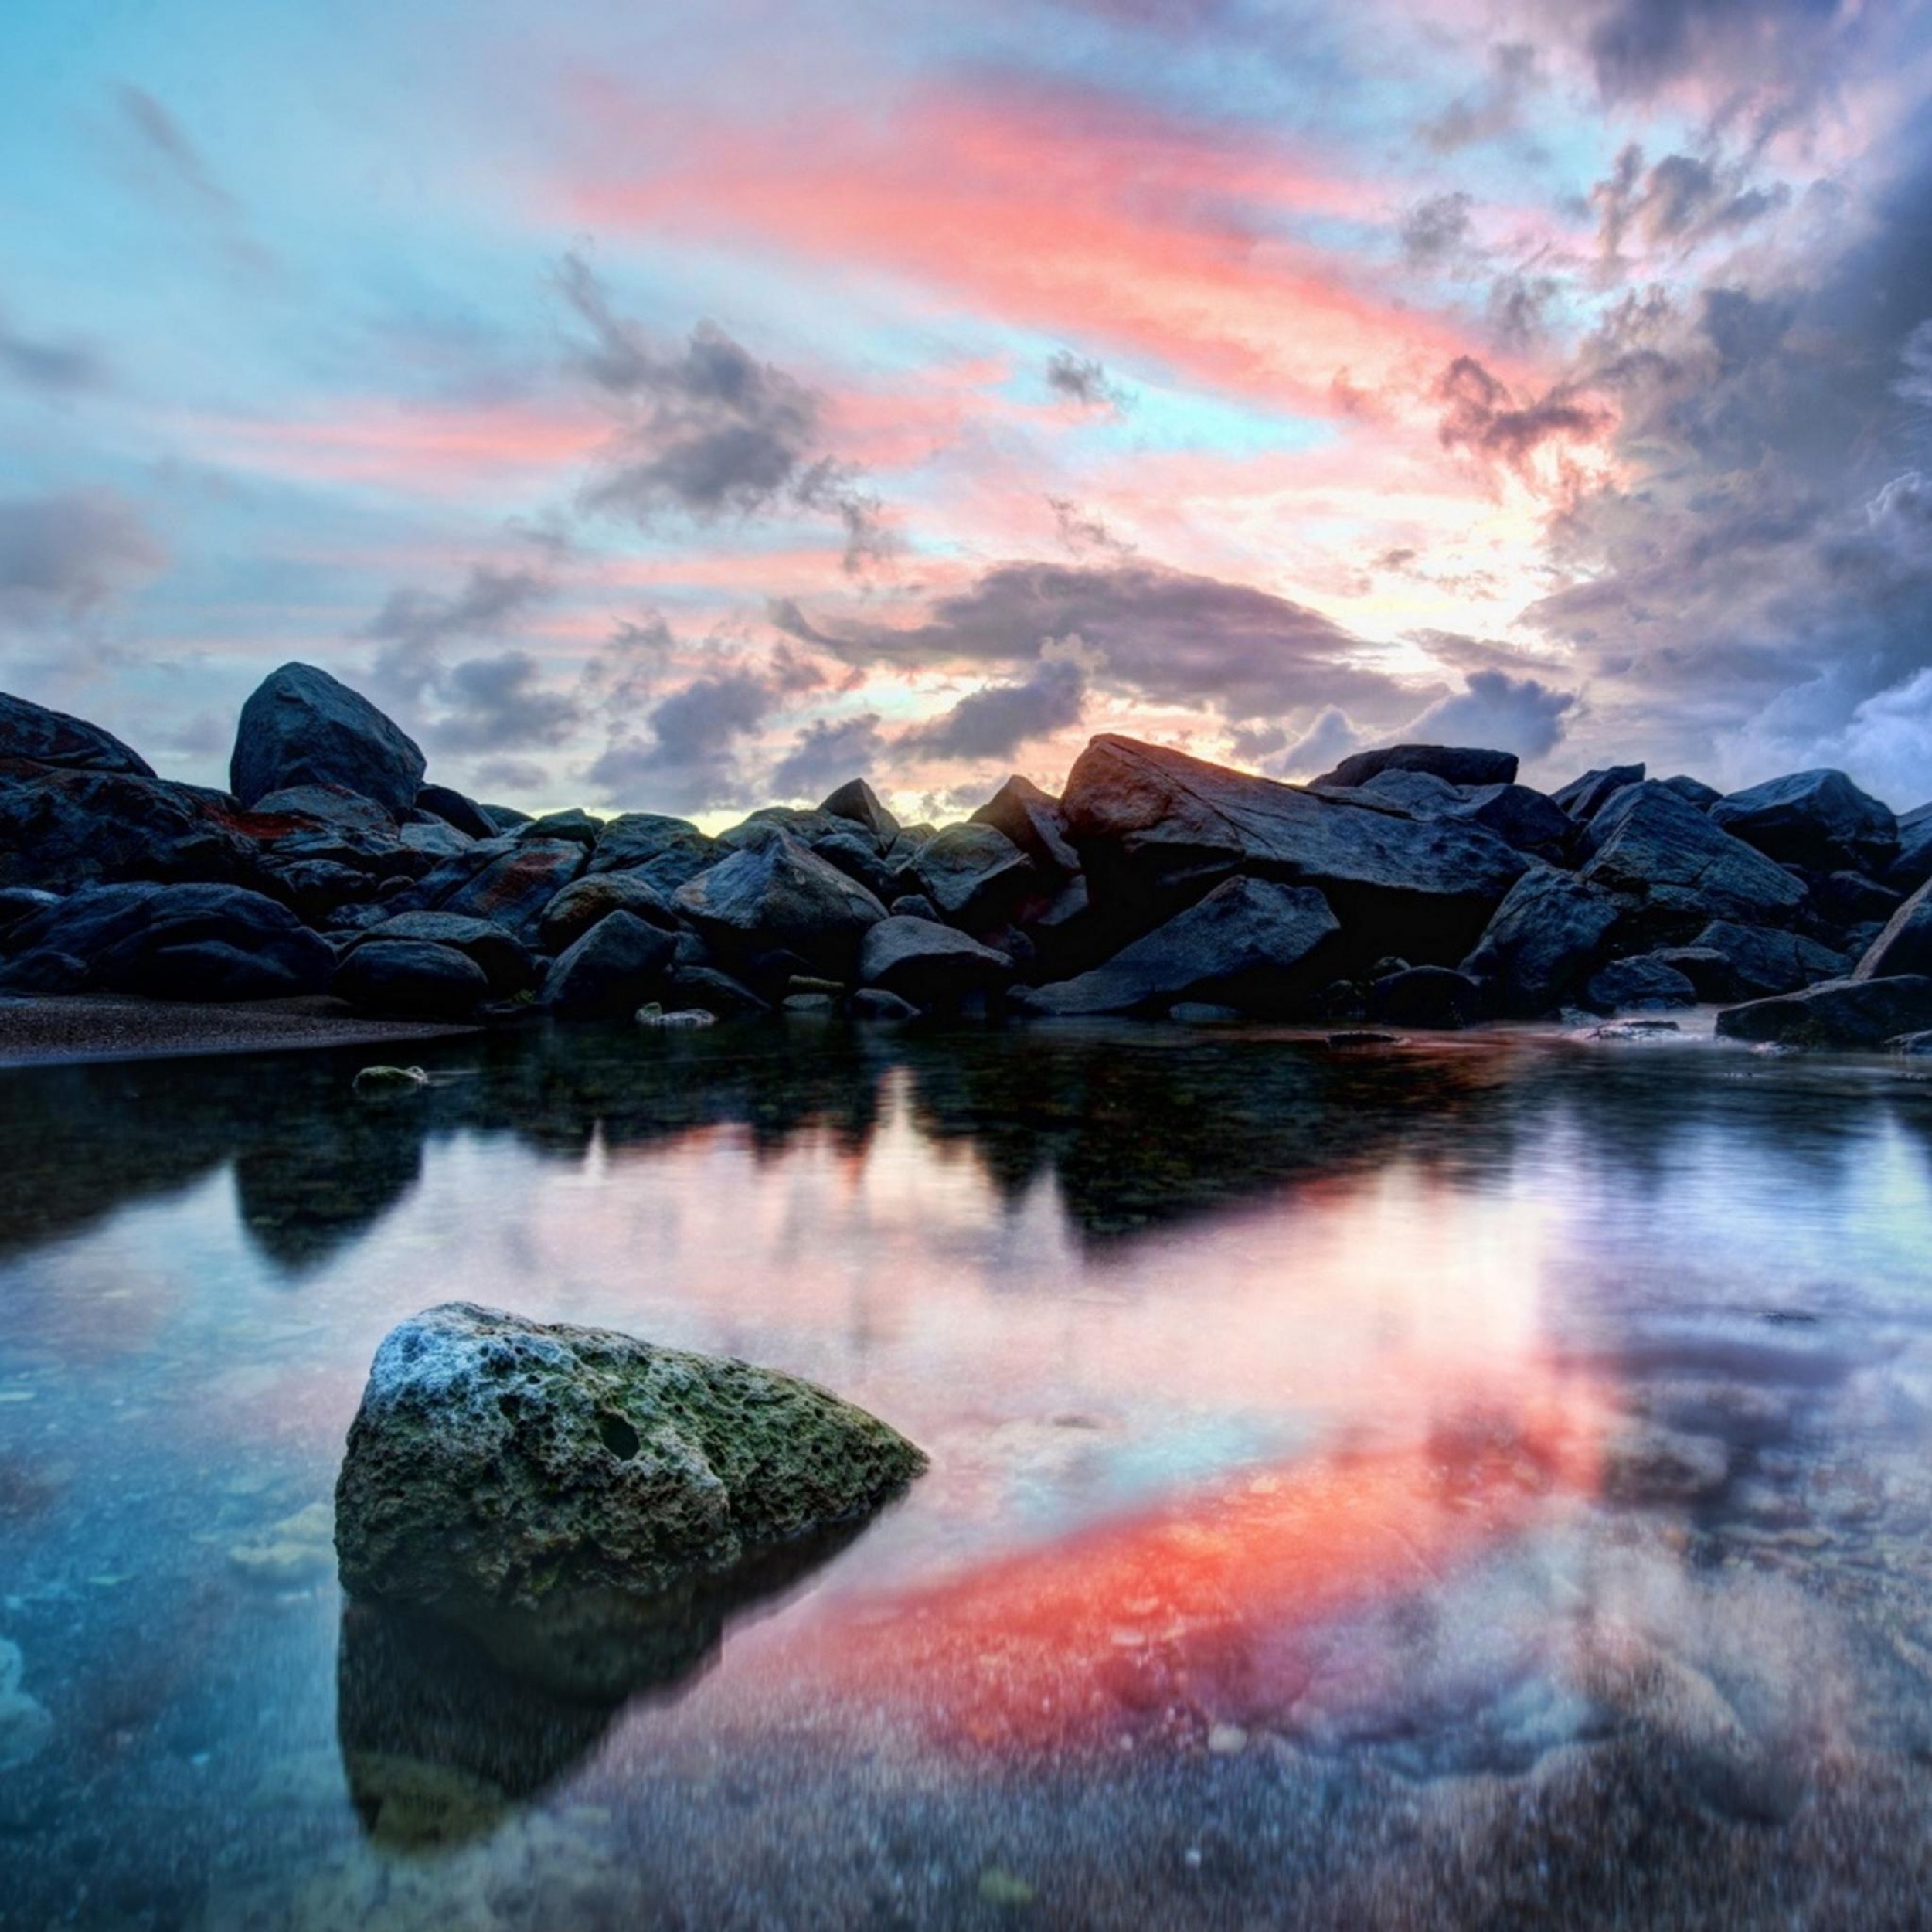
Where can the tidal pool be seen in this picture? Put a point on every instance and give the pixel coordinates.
(1480, 1482)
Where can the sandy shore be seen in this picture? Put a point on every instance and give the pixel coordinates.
(89, 1028)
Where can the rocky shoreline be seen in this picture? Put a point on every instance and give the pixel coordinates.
(1420, 886)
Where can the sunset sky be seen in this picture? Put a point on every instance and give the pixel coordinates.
(686, 407)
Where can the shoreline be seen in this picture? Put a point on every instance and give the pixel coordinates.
(81, 1028)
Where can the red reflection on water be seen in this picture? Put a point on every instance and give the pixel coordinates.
(1204, 1608)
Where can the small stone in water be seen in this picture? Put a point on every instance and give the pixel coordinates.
(1227, 1740)
(391, 1076)
(999, 1886)
(654, 1015)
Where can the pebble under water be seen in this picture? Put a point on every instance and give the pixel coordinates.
(1480, 1481)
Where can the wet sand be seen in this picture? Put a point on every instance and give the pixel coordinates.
(81, 1028)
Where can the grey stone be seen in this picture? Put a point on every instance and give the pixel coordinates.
(1846, 1013)
(1815, 818)
(611, 969)
(929, 964)
(1456, 764)
(50, 737)
(778, 895)
(300, 727)
(411, 976)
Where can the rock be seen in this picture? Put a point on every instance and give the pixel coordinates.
(576, 825)
(48, 737)
(1250, 943)
(497, 1464)
(175, 942)
(585, 901)
(663, 852)
(1420, 792)
(1694, 791)
(1846, 900)
(1913, 1045)
(25, 1725)
(1152, 820)
(717, 992)
(463, 815)
(505, 962)
(1635, 1029)
(300, 727)
(315, 887)
(819, 1005)
(1815, 818)
(1457, 765)
(1432, 996)
(1905, 946)
(1763, 962)
(61, 829)
(1033, 820)
(1913, 866)
(1846, 1013)
(1647, 843)
(874, 1003)
(856, 800)
(1522, 818)
(295, 1550)
(331, 805)
(1583, 797)
(508, 881)
(436, 841)
(913, 906)
(376, 1079)
(682, 1019)
(610, 970)
(504, 818)
(928, 964)
(1648, 985)
(413, 977)
(1713, 977)
(1546, 937)
(21, 903)
(973, 873)
(779, 894)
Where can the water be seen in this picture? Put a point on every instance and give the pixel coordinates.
(1477, 1483)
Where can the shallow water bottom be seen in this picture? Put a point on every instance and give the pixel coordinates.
(1470, 1482)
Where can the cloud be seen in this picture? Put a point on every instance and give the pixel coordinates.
(1168, 635)
(1481, 415)
(1084, 382)
(53, 368)
(521, 777)
(1494, 108)
(173, 165)
(687, 758)
(1682, 201)
(1437, 230)
(827, 752)
(413, 625)
(710, 432)
(1788, 51)
(1082, 533)
(499, 703)
(995, 721)
(69, 554)
(1325, 744)
(1493, 709)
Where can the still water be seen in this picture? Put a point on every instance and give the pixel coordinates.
(1470, 1483)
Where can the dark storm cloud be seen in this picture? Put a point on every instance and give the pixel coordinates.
(1480, 415)
(1082, 380)
(1681, 201)
(1636, 47)
(1166, 634)
(827, 752)
(686, 759)
(1082, 533)
(994, 722)
(67, 554)
(710, 432)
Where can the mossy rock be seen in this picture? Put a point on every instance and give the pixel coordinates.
(498, 1464)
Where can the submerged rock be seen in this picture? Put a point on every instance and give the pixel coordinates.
(1850, 1013)
(497, 1464)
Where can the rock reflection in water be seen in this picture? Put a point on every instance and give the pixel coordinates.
(442, 1729)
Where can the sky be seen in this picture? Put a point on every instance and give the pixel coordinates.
(685, 408)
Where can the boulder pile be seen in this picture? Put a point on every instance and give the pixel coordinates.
(1417, 885)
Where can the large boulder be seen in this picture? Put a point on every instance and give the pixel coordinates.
(60, 829)
(1905, 944)
(509, 881)
(500, 1464)
(1694, 791)
(1520, 818)
(1651, 984)
(1913, 867)
(460, 813)
(1649, 842)
(1846, 1013)
(1583, 797)
(596, 895)
(413, 978)
(1818, 819)
(505, 962)
(330, 805)
(974, 874)
(614, 968)
(1251, 942)
(1546, 938)
(664, 851)
(777, 895)
(930, 964)
(30, 730)
(204, 941)
(857, 801)
(1763, 961)
(1033, 820)
(1430, 996)
(300, 727)
(1455, 764)
(1153, 819)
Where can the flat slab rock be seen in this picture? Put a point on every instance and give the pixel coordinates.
(497, 1464)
